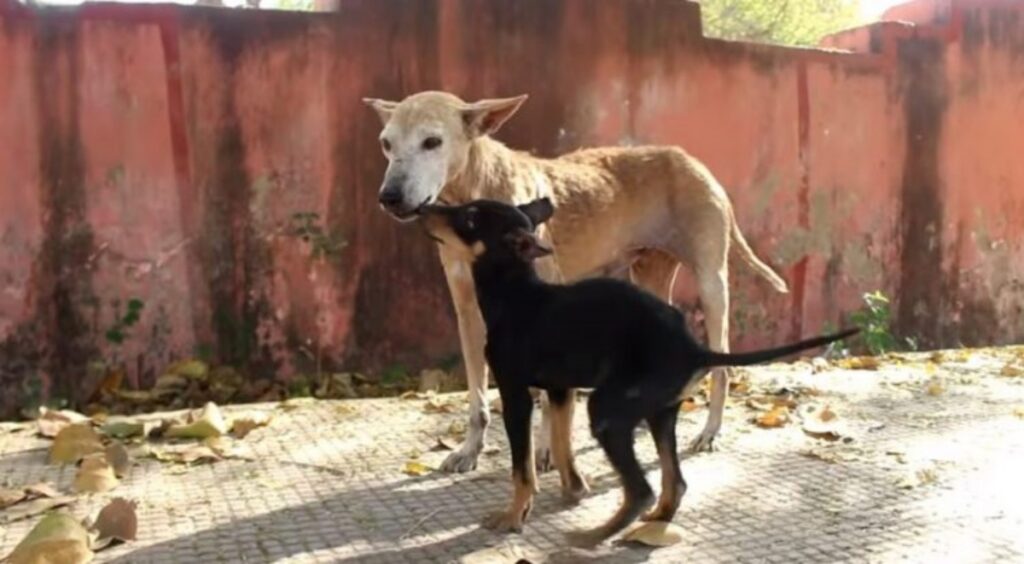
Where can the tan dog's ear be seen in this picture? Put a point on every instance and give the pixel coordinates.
(486, 117)
(384, 108)
(526, 245)
(539, 210)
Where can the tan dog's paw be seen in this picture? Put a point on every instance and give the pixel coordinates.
(505, 521)
(543, 461)
(460, 461)
(573, 494)
(704, 442)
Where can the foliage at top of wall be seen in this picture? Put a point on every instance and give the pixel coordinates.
(787, 22)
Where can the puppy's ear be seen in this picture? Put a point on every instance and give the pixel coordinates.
(383, 108)
(526, 246)
(486, 117)
(539, 210)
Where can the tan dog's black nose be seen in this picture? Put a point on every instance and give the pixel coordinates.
(391, 196)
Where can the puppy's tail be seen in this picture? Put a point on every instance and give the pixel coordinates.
(712, 358)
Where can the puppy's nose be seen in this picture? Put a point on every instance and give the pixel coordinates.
(390, 197)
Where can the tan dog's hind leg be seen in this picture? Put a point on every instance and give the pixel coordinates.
(714, 297)
(472, 333)
(574, 487)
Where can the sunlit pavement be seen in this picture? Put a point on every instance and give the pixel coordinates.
(927, 468)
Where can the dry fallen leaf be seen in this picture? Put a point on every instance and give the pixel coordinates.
(496, 405)
(935, 388)
(776, 417)
(184, 454)
(1019, 412)
(242, 426)
(95, 475)
(437, 405)
(688, 405)
(27, 509)
(73, 443)
(118, 458)
(416, 468)
(859, 363)
(117, 521)
(447, 443)
(57, 539)
(1012, 369)
(9, 497)
(920, 477)
(191, 369)
(224, 447)
(834, 453)
(123, 429)
(209, 423)
(655, 533)
(51, 422)
(822, 423)
(296, 403)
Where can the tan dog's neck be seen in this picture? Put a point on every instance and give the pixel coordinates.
(492, 171)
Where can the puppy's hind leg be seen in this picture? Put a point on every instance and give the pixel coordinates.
(673, 487)
(612, 425)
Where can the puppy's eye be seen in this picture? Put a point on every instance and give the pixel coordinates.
(471, 218)
(431, 143)
(385, 144)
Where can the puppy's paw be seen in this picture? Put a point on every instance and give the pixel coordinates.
(657, 514)
(543, 460)
(584, 539)
(460, 461)
(504, 521)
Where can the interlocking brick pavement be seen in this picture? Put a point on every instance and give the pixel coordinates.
(325, 482)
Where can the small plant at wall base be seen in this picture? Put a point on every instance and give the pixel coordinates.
(875, 323)
(116, 333)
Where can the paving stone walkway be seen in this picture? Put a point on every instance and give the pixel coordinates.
(930, 471)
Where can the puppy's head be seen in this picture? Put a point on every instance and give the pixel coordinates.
(489, 228)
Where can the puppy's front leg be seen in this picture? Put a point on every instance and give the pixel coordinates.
(517, 409)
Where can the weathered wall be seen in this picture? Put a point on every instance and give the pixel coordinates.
(162, 152)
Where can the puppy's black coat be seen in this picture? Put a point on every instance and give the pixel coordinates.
(629, 346)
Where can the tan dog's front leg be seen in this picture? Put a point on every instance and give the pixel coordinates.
(542, 453)
(472, 334)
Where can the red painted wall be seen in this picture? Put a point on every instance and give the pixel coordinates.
(161, 152)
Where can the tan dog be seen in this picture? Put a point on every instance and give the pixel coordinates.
(654, 207)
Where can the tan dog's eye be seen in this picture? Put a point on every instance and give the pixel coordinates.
(431, 143)
(385, 144)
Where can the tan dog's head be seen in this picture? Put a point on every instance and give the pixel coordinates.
(488, 228)
(426, 139)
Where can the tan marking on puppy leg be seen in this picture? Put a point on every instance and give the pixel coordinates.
(668, 501)
(511, 519)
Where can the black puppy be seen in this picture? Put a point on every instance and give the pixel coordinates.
(630, 347)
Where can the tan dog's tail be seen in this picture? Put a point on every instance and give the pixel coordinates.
(748, 256)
